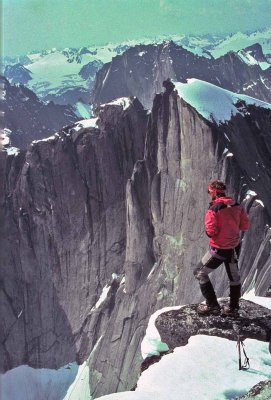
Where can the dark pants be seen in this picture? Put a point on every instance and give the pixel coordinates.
(211, 261)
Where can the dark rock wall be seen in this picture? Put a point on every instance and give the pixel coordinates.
(63, 235)
(183, 152)
(66, 230)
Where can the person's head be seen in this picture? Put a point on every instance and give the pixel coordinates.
(216, 189)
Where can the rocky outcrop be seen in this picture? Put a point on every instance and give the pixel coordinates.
(82, 272)
(177, 326)
(141, 70)
(30, 119)
(63, 238)
(261, 391)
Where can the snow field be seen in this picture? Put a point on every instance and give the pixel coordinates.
(212, 102)
(205, 369)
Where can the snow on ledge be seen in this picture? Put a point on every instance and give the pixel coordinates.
(12, 151)
(47, 140)
(124, 102)
(213, 102)
(86, 123)
(262, 301)
(184, 371)
(102, 298)
(151, 344)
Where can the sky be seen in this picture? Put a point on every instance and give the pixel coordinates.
(43, 24)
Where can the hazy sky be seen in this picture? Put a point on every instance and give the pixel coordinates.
(43, 24)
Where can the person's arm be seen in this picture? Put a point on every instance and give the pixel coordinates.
(244, 221)
(211, 226)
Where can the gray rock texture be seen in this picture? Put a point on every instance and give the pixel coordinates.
(177, 326)
(28, 118)
(63, 235)
(183, 152)
(90, 212)
(261, 391)
(141, 70)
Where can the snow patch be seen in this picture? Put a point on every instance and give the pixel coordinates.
(124, 102)
(86, 123)
(262, 301)
(12, 151)
(151, 344)
(251, 193)
(260, 202)
(247, 58)
(213, 102)
(83, 110)
(47, 140)
(5, 137)
(102, 298)
(26, 383)
(184, 371)
(250, 60)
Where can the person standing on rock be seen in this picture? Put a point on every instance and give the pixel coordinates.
(224, 220)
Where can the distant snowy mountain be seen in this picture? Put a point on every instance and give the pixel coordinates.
(17, 73)
(66, 75)
(142, 69)
(241, 40)
(28, 118)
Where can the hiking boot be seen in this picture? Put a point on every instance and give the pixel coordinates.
(230, 311)
(206, 309)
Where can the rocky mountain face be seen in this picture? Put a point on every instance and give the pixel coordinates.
(104, 225)
(141, 70)
(63, 237)
(27, 118)
(89, 70)
(256, 52)
(68, 97)
(17, 73)
(56, 73)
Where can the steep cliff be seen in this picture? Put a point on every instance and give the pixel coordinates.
(80, 271)
(166, 202)
(141, 70)
(63, 236)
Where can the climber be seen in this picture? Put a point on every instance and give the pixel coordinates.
(224, 220)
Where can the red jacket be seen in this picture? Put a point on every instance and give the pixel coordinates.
(223, 222)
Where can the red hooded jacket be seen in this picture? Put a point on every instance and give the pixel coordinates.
(223, 222)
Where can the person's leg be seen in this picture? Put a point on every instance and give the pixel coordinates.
(235, 281)
(207, 265)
